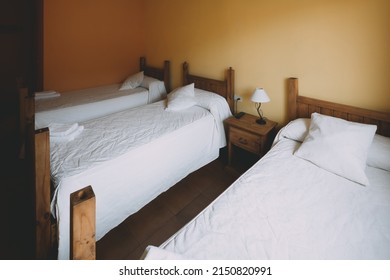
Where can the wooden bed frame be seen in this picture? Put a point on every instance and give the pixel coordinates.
(81, 235)
(35, 150)
(302, 107)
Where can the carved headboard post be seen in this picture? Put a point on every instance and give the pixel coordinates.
(292, 87)
(167, 76)
(142, 62)
(185, 73)
(230, 88)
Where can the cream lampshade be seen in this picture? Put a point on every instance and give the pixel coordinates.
(260, 96)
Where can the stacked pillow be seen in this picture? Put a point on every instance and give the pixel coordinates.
(181, 98)
(133, 81)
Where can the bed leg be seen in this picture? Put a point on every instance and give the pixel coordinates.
(43, 242)
(83, 224)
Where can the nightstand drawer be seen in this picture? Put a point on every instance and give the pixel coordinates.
(245, 140)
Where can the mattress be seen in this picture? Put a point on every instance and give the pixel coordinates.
(86, 104)
(287, 208)
(132, 156)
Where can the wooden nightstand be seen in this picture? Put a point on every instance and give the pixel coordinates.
(246, 134)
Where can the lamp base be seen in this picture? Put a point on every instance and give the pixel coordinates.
(261, 121)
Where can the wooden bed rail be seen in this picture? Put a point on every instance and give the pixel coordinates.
(302, 107)
(83, 224)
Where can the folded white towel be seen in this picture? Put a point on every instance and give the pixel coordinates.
(46, 94)
(62, 129)
(69, 137)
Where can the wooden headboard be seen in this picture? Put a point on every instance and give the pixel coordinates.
(225, 88)
(163, 74)
(302, 107)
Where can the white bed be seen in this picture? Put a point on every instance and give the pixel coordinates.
(132, 156)
(149, 85)
(286, 207)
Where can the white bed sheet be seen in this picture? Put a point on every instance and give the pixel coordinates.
(132, 156)
(86, 104)
(287, 208)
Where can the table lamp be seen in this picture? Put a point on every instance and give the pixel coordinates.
(260, 96)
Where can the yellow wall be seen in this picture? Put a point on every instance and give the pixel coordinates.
(339, 49)
(91, 42)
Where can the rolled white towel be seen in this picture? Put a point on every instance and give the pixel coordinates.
(61, 129)
(68, 137)
(46, 92)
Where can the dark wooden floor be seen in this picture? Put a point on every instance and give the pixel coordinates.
(170, 211)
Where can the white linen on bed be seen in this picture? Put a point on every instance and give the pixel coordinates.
(287, 208)
(86, 104)
(129, 158)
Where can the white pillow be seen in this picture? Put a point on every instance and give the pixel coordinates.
(296, 129)
(338, 146)
(181, 98)
(379, 153)
(133, 81)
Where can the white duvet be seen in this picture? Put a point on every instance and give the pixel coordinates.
(131, 156)
(287, 208)
(86, 104)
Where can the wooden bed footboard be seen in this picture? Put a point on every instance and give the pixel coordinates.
(83, 208)
(302, 107)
